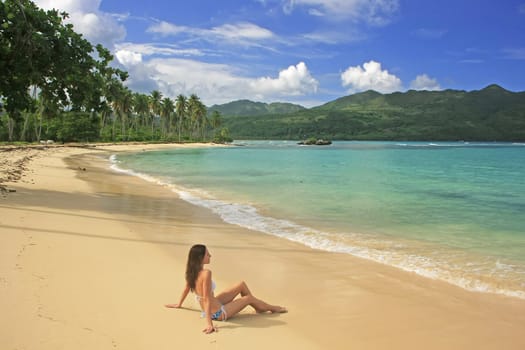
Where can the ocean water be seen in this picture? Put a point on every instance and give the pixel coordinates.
(448, 211)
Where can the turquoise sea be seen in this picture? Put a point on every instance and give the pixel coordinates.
(448, 211)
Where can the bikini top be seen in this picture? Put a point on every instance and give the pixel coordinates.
(199, 298)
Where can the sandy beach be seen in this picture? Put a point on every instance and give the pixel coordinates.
(90, 256)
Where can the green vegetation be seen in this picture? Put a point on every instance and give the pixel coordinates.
(250, 108)
(55, 85)
(490, 114)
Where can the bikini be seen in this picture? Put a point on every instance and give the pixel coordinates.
(217, 315)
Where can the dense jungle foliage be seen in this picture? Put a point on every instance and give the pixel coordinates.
(55, 85)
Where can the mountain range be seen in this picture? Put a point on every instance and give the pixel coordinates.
(249, 108)
(489, 114)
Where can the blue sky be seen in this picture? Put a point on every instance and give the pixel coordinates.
(306, 51)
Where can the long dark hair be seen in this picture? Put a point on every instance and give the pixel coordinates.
(194, 265)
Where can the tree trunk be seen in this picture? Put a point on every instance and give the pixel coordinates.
(38, 130)
(102, 124)
(113, 128)
(179, 126)
(123, 120)
(11, 128)
(24, 128)
(152, 122)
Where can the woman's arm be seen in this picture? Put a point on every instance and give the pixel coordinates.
(206, 300)
(182, 298)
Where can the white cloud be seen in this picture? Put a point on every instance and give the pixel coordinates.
(334, 37)
(165, 28)
(515, 54)
(87, 19)
(472, 61)
(424, 82)
(157, 49)
(375, 12)
(213, 83)
(128, 58)
(295, 80)
(243, 33)
(370, 77)
(142, 78)
(242, 30)
(316, 12)
(288, 6)
(98, 28)
(70, 5)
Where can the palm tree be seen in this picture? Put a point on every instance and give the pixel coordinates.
(141, 106)
(122, 106)
(105, 111)
(197, 113)
(154, 106)
(181, 107)
(216, 120)
(45, 110)
(112, 92)
(203, 120)
(166, 112)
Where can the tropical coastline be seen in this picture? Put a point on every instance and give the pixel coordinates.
(89, 257)
(368, 245)
(388, 202)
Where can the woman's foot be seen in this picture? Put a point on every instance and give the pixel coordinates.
(279, 310)
(273, 310)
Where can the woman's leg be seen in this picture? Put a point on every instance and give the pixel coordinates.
(260, 306)
(228, 295)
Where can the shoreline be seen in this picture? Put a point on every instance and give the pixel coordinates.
(465, 272)
(118, 244)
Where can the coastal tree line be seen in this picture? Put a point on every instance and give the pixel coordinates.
(54, 84)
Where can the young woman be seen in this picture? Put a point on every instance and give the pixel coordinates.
(224, 305)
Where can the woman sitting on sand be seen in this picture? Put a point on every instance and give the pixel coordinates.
(224, 305)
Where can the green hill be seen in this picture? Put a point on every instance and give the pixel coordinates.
(490, 114)
(250, 108)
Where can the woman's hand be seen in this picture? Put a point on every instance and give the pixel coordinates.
(174, 306)
(210, 329)
(181, 300)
